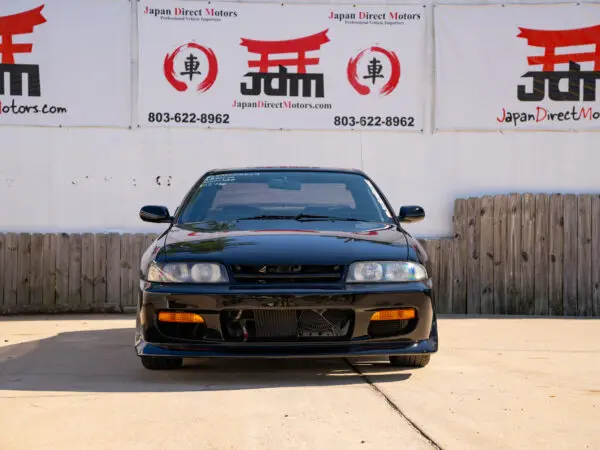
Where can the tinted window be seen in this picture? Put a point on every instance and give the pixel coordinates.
(234, 196)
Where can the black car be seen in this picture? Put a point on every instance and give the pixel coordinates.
(284, 262)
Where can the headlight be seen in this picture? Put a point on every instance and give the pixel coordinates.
(386, 272)
(187, 273)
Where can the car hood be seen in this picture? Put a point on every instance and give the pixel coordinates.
(287, 242)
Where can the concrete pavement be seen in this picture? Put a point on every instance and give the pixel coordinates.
(70, 382)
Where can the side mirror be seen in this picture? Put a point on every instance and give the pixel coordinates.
(156, 214)
(410, 214)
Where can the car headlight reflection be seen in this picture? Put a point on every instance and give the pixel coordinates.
(187, 273)
(386, 272)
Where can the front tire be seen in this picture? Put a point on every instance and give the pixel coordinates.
(156, 363)
(410, 360)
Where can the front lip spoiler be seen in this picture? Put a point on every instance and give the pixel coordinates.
(144, 348)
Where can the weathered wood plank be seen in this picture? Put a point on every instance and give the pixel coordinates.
(541, 240)
(36, 292)
(138, 249)
(49, 271)
(113, 271)
(24, 271)
(74, 271)
(486, 266)
(585, 305)
(527, 303)
(62, 271)
(596, 254)
(126, 270)
(513, 254)
(555, 272)
(473, 252)
(459, 258)
(2, 274)
(570, 255)
(87, 271)
(500, 245)
(11, 274)
(100, 244)
(444, 297)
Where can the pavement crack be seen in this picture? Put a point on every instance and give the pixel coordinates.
(393, 405)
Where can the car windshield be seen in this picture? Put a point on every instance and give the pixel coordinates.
(300, 195)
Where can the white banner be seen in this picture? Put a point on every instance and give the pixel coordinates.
(517, 67)
(273, 66)
(65, 62)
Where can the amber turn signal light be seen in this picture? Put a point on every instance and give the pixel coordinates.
(179, 317)
(394, 314)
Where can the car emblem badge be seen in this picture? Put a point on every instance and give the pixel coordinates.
(263, 269)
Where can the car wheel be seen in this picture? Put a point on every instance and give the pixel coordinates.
(154, 363)
(410, 360)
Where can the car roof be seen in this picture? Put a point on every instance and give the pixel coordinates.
(284, 169)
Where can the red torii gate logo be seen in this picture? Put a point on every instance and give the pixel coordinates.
(550, 40)
(287, 83)
(21, 23)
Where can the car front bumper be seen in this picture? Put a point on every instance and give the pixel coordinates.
(420, 337)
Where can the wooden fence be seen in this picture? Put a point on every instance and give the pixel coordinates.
(70, 272)
(516, 254)
(520, 254)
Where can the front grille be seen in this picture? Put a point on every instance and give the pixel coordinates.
(263, 325)
(286, 274)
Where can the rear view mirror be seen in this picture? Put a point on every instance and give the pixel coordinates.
(410, 214)
(285, 184)
(155, 214)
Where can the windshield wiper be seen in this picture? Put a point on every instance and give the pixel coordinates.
(303, 216)
(300, 217)
(265, 217)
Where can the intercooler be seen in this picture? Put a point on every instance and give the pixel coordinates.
(275, 323)
(287, 324)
